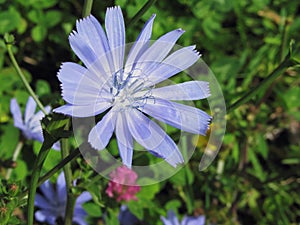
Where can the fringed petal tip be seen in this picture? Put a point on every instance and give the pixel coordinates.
(179, 161)
(175, 164)
(206, 89)
(94, 145)
(58, 74)
(73, 34)
(114, 8)
(82, 20)
(59, 110)
(197, 53)
(171, 160)
(194, 50)
(91, 142)
(208, 124)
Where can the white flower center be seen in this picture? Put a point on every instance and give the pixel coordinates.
(125, 89)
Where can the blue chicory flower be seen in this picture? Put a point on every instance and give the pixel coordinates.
(127, 89)
(187, 220)
(52, 203)
(31, 126)
(126, 217)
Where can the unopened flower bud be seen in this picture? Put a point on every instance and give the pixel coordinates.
(4, 214)
(13, 189)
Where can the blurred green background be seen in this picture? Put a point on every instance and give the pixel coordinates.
(255, 178)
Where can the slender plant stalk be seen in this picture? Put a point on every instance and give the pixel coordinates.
(87, 8)
(91, 182)
(73, 155)
(284, 38)
(14, 158)
(65, 151)
(38, 164)
(268, 80)
(21, 75)
(141, 12)
(188, 193)
(44, 150)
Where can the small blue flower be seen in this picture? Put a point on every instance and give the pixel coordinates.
(52, 203)
(127, 89)
(31, 126)
(187, 220)
(126, 217)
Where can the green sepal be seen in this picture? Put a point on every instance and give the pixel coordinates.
(9, 38)
(53, 126)
(293, 52)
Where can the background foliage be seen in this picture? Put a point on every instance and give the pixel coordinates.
(255, 177)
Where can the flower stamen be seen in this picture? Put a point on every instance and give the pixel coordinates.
(123, 88)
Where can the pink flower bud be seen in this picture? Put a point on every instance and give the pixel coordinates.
(117, 188)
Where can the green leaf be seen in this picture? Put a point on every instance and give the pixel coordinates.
(42, 88)
(54, 126)
(52, 18)
(5, 114)
(8, 140)
(43, 4)
(291, 97)
(183, 177)
(9, 20)
(253, 203)
(291, 161)
(96, 194)
(112, 219)
(227, 65)
(173, 204)
(38, 33)
(20, 172)
(35, 16)
(55, 157)
(38, 4)
(257, 168)
(136, 209)
(211, 26)
(262, 146)
(22, 97)
(149, 191)
(10, 79)
(22, 26)
(15, 220)
(92, 209)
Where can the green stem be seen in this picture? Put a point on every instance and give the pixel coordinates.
(65, 151)
(45, 147)
(189, 198)
(284, 38)
(14, 158)
(37, 167)
(91, 182)
(87, 8)
(268, 80)
(73, 155)
(25, 82)
(141, 12)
